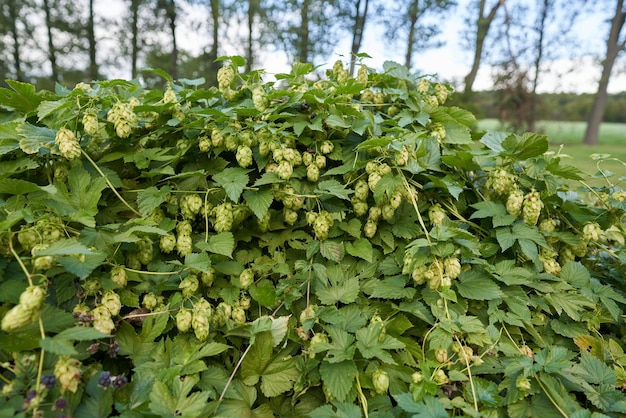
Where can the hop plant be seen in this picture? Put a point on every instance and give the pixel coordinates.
(436, 214)
(68, 373)
(190, 205)
(515, 202)
(123, 118)
(362, 75)
(452, 267)
(380, 380)
(167, 243)
(102, 320)
(90, 121)
(531, 208)
(258, 99)
(118, 276)
(111, 301)
(225, 77)
(500, 181)
(67, 143)
(189, 285)
(592, 232)
(183, 320)
(244, 156)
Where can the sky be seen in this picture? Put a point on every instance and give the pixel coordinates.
(449, 63)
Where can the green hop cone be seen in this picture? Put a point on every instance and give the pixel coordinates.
(190, 205)
(200, 318)
(102, 320)
(246, 279)
(436, 214)
(531, 208)
(68, 374)
(225, 77)
(144, 250)
(239, 315)
(522, 383)
(244, 156)
(189, 285)
(90, 121)
(118, 276)
(312, 172)
(452, 267)
(18, 317)
(32, 298)
(67, 143)
(111, 301)
(362, 75)
(184, 245)
(150, 301)
(380, 380)
(167, 243)
(183, 320)
(515, 202)
(258, 99)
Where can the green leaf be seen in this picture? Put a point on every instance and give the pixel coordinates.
(199, 261)
(263, 292)
(332, 250)
(276, 373)
(222, 243)
(22, 97)
(493, 140)
(259, 201)
(575, 274)
(333, 188)
(391, 288)
(572, 303)
(456, 133)
(361, 248)
(162, 402)
(64, 247)
(345, 292)
(233, 180)
(341, 346)
(339, 378)
(60, 347)
(476, 285)
(84, 266)
(80, 334)
(594, 370)
(343, 410)
(371, 343)
(34, 138)
(151, 198)
(18, 187)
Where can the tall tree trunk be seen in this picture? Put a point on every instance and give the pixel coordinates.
(303, 53)
(614, 47)
(253, 10)
(134, 28)
(541, 27)
(413, 16)
(17, 56)
(482, 29)
(52, 56)
(212, 55)
(357, 34)
(171, 14)
(93, 65)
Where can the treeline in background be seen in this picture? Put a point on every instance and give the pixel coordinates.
(521, 43)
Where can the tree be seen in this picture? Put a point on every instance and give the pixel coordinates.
(359, 18)
(313, 35)
(409, 22)
(616, 42)
(11, 12)
(52, 52)
(169, 7)
(92, 72)
(482, 26)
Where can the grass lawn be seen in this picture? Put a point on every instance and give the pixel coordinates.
(567, 138)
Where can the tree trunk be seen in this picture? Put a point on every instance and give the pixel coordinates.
(413, 16)
(212, 66)
(303, 53)
(171, 14)
(253, 9)
(357, 34)
(52, 56)
(134, 10)
(17, 58)
(93, 65)
(541, 28)
(482, 29)
(614, 47)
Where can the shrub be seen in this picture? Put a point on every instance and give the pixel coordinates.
(342, 247)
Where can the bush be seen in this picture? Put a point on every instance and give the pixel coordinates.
(342, 247)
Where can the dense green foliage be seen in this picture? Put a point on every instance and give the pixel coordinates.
(337, 248)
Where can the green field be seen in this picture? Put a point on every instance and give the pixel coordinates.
(566, 138)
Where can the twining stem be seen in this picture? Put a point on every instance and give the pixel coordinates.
(362, 398)
(545, 392)
(111, 186)
(469, 372)
(232, 375)
(19, 260)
